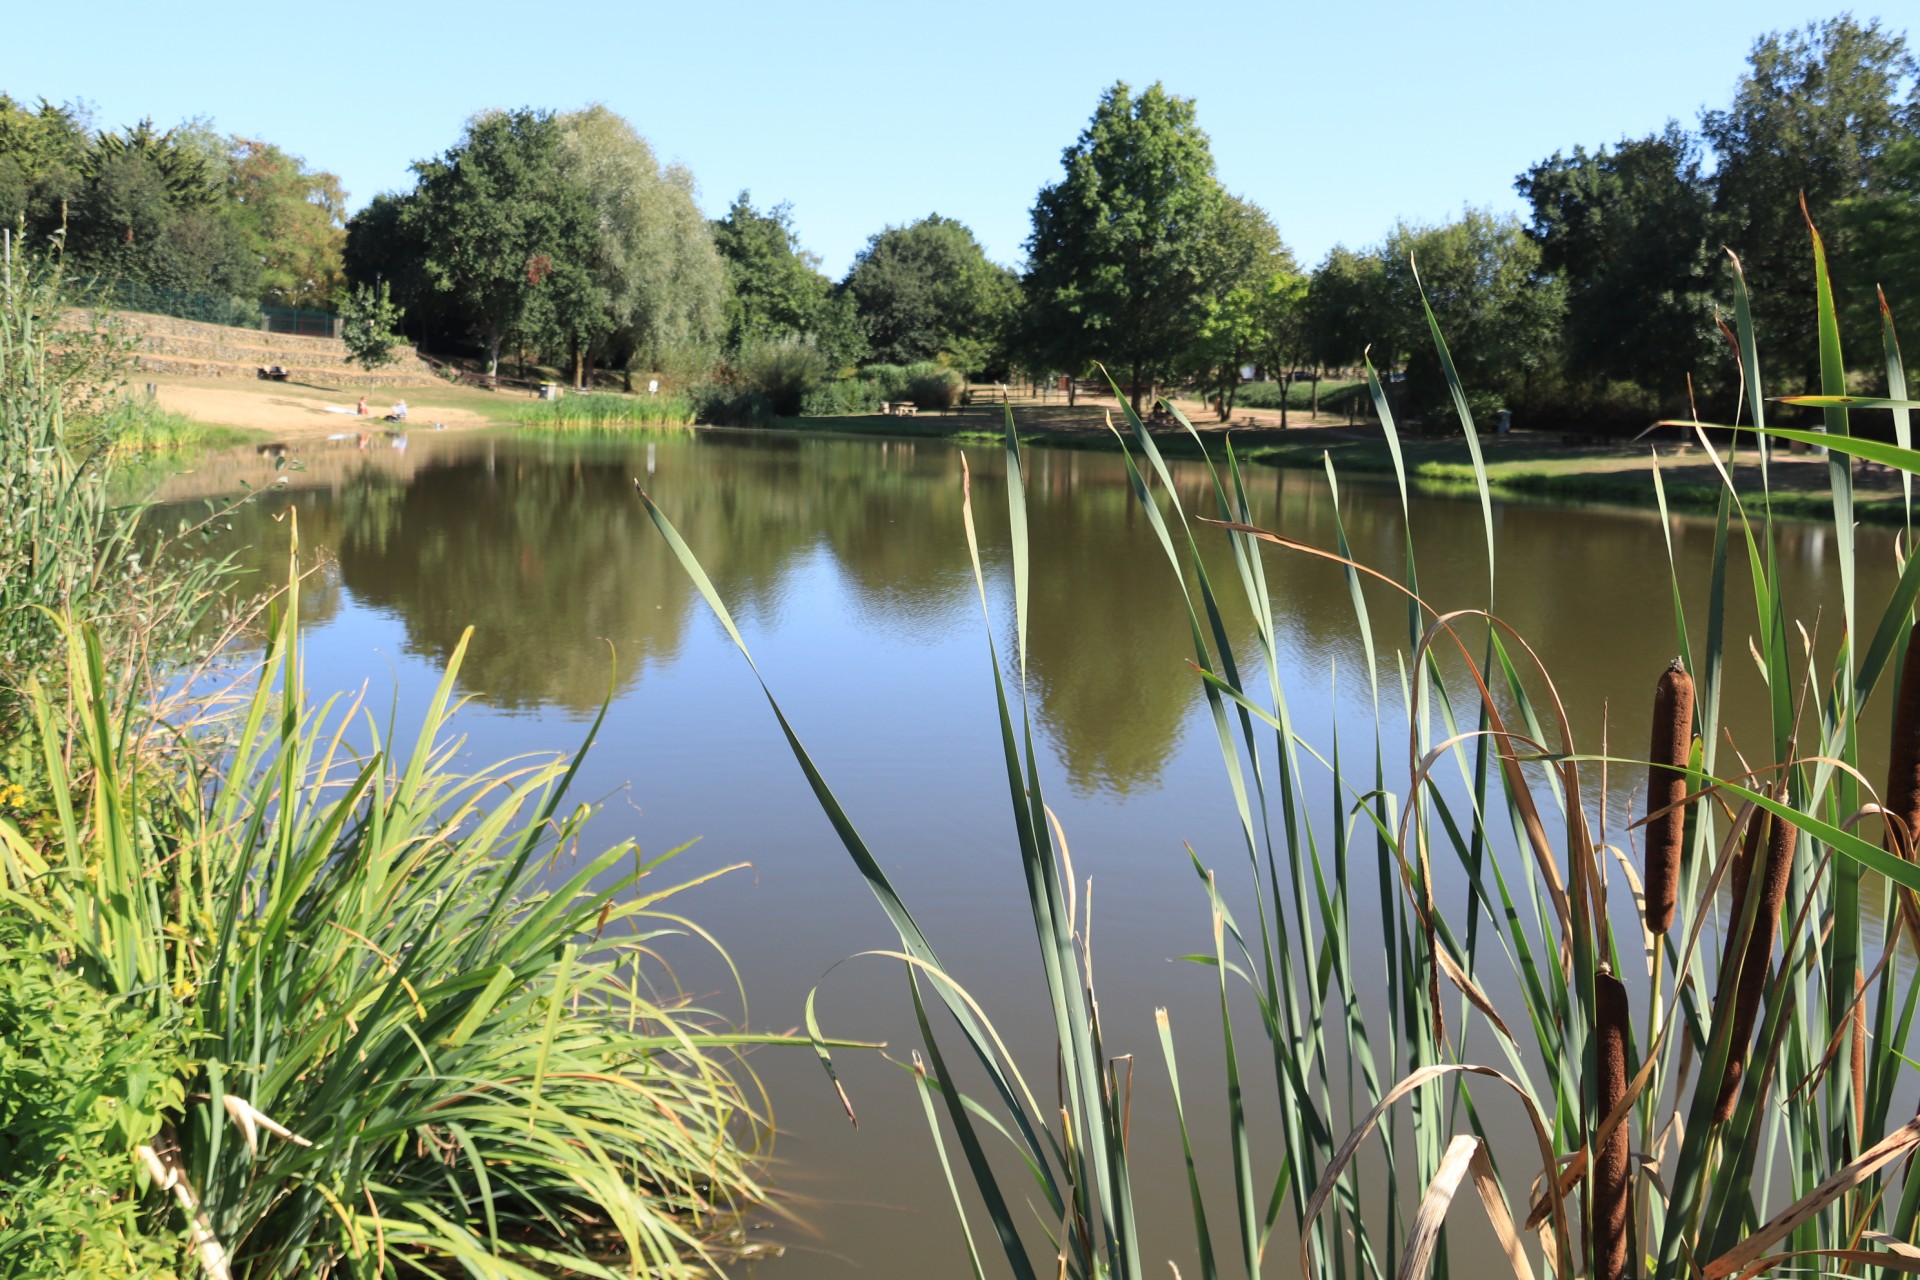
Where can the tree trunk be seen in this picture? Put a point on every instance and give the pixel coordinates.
(493, 353)
(1133, 391)
(579, 366)
(1316, 391)
(1286, 390)
(1072, 390)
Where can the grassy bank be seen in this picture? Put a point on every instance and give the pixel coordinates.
(1523, 466)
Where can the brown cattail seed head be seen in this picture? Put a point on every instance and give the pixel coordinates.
(1671, 747)
(1611, 1201)
(1902, 796)
(1757, 965)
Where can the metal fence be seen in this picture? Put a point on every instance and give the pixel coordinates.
(308, 324)
(237, 313)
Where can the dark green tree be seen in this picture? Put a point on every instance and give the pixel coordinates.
(1501, 318)
(1815, 114)
(43, 163)
(1883, 234)
(1625, 230)
(927, 290)
(1119, 257)
(776, 289)
(494, 220)
(1347, 312)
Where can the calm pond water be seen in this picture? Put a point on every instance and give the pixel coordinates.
(845, 562)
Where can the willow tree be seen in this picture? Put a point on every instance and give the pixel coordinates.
(657, 291)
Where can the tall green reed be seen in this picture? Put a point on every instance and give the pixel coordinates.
(1797, 1171)
(600, 411)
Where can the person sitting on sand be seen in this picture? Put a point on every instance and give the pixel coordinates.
(362, 410)
(399, 413)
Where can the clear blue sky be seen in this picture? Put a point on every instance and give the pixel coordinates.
(1337, 117)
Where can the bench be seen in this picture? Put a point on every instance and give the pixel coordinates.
(273, 373)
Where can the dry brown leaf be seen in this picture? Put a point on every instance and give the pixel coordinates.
(1736, 1260)
(1432, 1212)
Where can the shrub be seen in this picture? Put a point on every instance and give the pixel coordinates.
(933, 386)
(848, 395)
(729, 404)
(451, 1033)
(783, 370)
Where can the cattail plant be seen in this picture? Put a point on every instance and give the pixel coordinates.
(1666, 789)
(1611, 1202)
(1782, 838)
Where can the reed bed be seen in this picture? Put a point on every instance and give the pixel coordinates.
(1691, 1107)
(600, 412)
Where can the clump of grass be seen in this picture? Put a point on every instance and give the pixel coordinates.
(603, 411)
(137, 426)
(420, 1030)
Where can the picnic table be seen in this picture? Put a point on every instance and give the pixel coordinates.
(898, 408)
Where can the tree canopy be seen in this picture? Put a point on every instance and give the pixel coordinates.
(927, 290)
(184, 209)
(1815, 115)
(776, 288)
(1119, 259)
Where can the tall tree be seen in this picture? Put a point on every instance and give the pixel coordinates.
(293, 220)
(652, 272)
(1117, 263)
(776, 288)
(1625, 231)
(1246, 265)
(494, 216)
(1883, 231)
(1347, 312)
(1814, 114)
(1500, 318)
(927, 289)
(44, 153)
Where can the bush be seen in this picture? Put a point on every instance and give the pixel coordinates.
(846, 396)
(928, 384)
(83, 1081)
(455, 1033)
(729, 404)
(783, 370)
(933, 386)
